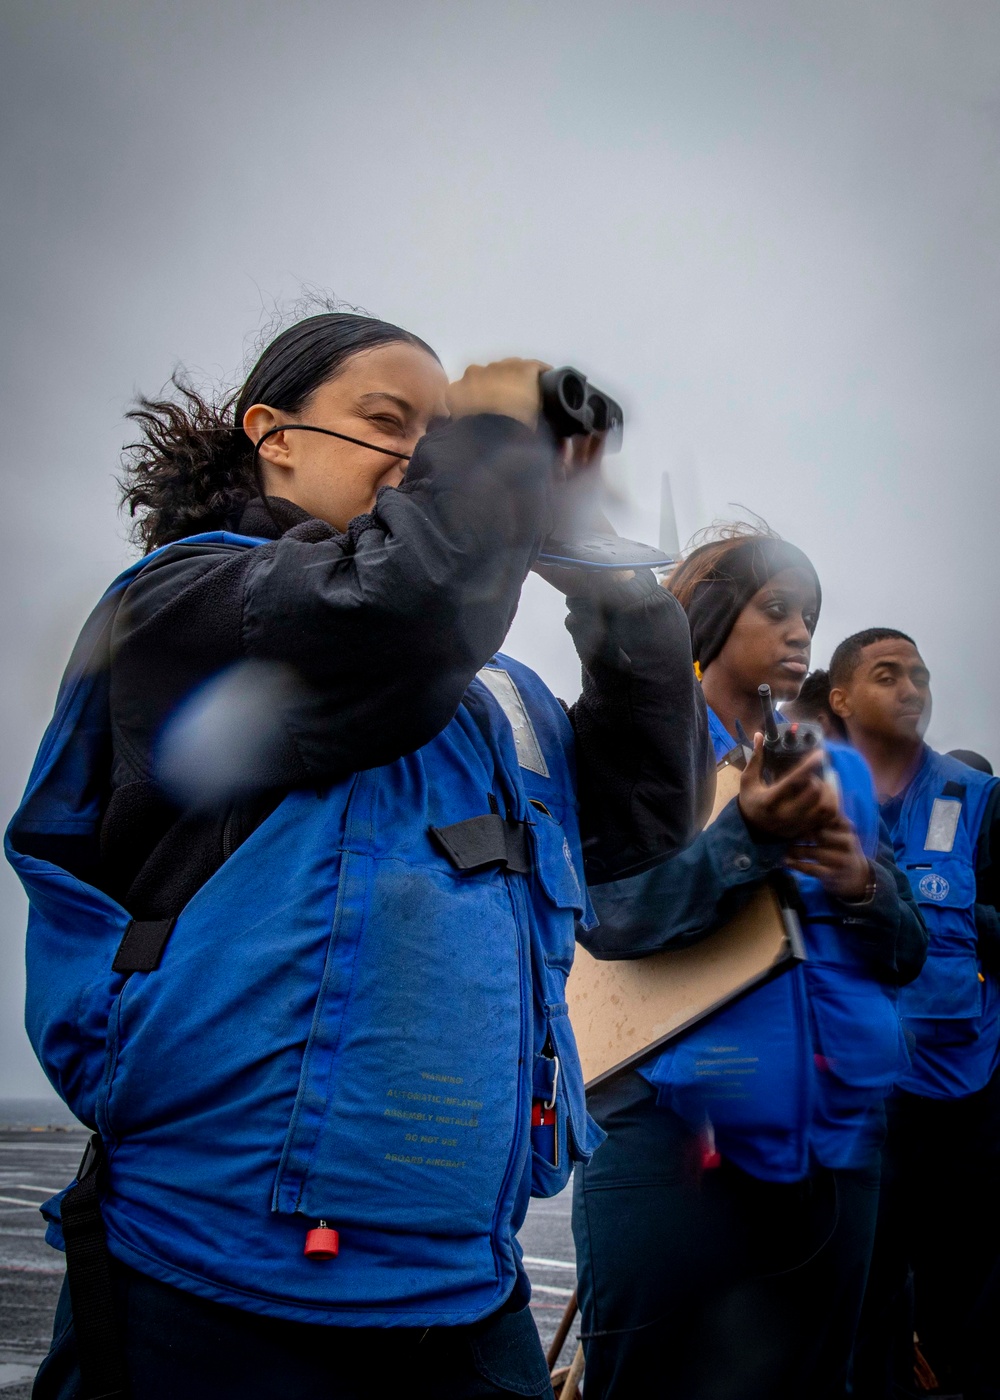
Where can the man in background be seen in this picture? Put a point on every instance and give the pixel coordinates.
(939, 1213)
(813, 704)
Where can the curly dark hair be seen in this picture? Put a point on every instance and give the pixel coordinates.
(192, 468)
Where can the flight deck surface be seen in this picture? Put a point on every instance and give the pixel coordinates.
(37, 1159)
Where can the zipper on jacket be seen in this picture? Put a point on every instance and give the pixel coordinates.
(227, 834)
(518, 902)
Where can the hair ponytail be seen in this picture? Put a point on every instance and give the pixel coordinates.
(192, 469)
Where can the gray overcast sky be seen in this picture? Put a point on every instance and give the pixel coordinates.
(770, 225)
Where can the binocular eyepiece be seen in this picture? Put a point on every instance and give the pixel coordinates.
(572, 407)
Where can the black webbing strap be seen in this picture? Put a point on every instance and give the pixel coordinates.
(481, 842)
(142, 946)
(88, 1270)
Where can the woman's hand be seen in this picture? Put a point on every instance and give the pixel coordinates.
(506, 386)
(796, 806)
(834, 856)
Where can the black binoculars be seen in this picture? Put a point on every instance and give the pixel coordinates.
(572, 407)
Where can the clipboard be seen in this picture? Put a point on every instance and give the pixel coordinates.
(627, 1010)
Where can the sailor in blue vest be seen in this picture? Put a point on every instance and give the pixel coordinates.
(812, 704)
(940, 1209)
(304, 865)
(723, 1230)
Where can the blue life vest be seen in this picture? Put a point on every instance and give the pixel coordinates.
(952, 1010)
(343, 1026)
(794, 1073)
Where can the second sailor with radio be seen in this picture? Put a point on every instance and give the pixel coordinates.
(747, 1152)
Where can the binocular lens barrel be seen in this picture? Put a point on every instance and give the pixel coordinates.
(572, 407)
(573, 389)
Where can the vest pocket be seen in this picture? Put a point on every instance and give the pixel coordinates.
(562, 885)
(942, 882)
(746, 1071)
(857, 1028)
(558, 1080)
(948, 988)
(409, 1103)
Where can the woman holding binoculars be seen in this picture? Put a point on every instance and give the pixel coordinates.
(724, 1229)
(305, 862)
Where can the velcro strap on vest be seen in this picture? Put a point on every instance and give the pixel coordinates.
(88, 1272)
(142, 947)
(482, 842)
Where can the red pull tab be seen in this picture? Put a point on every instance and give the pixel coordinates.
(322, 1243)
(542, 1115)
(710, 1155)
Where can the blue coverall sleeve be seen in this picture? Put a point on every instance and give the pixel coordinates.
(695, 891)
(646, 769)
(685, 897)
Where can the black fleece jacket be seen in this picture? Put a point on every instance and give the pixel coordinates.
(383, 628)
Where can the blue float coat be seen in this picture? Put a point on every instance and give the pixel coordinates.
(794, 1073)
(952, 1010)
(342, 1027)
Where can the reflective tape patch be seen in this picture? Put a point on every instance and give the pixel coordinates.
(943, 824)
(501, 686)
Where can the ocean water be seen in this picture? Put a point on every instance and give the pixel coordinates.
(36, 1113)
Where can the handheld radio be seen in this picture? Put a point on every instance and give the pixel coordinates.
(787, 746)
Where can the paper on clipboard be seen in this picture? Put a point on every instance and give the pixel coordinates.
(624, 1012)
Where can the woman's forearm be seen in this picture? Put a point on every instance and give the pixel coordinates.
(645, 763)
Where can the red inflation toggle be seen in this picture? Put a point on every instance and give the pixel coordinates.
(542, 1115)
(710, 1155)
(322, 1243)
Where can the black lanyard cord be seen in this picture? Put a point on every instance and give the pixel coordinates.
(307, 428)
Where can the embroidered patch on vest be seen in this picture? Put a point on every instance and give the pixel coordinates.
(934, 887)
(501, 686)
(943, 824)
